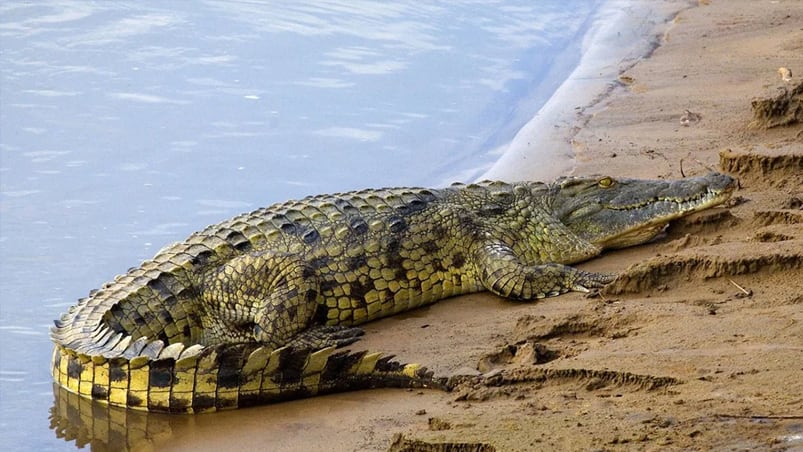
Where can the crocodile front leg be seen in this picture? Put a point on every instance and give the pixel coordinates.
(502, 273)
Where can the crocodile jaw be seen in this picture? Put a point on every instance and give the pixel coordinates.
(660, 213)
(613, 213)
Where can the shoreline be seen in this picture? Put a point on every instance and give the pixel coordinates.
(606, 51)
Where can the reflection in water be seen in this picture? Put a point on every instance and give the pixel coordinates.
(85, 422)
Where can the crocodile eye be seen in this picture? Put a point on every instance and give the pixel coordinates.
(605, 182)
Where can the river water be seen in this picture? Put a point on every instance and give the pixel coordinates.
(125, 126)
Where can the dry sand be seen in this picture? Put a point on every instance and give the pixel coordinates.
(716, 305)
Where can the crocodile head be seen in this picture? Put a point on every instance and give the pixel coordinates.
(617, 213)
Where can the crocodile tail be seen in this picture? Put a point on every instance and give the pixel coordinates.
(201, 379)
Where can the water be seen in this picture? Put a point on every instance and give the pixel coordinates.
(124, 127)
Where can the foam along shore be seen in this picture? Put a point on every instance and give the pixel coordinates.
(621, 34)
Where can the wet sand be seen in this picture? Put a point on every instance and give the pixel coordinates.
(715, 305)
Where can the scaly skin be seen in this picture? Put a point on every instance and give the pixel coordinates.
(252, 310)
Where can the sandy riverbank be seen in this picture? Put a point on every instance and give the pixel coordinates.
(715, 305)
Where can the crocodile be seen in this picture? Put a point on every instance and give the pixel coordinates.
(261, 308)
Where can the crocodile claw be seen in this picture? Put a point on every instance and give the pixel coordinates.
(588, 281)
(322, 336)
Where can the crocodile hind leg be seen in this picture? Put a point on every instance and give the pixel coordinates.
(502, 273)
(321, 336)
(265, 297)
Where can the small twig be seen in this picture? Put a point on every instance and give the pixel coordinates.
(759, 416)
(683, 174)
(746, 292)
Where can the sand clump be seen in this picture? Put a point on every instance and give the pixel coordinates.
(783, 109)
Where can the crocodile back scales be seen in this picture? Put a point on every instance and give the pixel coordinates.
(140, 340)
